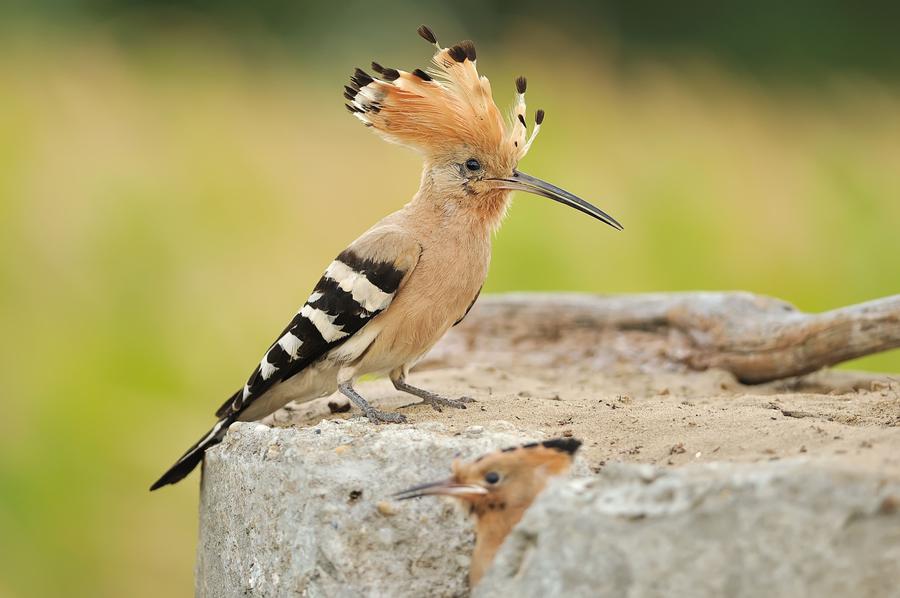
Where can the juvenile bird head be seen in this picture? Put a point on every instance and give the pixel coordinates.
(505, 479)
(448, 115)
(499, 487)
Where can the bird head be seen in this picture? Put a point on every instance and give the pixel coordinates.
(503, 481)
(448, 115)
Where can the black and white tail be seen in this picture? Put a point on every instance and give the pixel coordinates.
(353, 290)
(194, 456)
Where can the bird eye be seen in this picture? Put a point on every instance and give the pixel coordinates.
(473, 164)
(492, 477)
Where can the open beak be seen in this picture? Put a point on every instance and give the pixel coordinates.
(446, 487)
(520, 181)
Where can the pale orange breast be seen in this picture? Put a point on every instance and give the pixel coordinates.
(447, 277)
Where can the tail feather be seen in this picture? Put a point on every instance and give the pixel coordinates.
(226, 406)
(194, 455)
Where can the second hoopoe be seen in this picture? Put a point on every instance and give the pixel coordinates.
(498, 488)
(394, 292)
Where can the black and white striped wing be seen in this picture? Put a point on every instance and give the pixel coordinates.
(356, 287)
(351, 292)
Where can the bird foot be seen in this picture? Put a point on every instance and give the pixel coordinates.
(437, 401)
(383, 417)
(430, 398)
(375, 416)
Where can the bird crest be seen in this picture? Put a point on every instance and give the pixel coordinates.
(522, 470)
(550, 457)
(449, 103)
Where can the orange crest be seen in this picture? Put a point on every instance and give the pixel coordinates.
(449, 104)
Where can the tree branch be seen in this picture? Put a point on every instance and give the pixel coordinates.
(756, 338)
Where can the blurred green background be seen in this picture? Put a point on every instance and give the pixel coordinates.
(175, 175)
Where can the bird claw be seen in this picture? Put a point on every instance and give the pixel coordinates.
(437, 402)
(381, 417)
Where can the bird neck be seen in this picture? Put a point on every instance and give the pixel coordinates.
(455, 207)
(493, 525)
(490, 209)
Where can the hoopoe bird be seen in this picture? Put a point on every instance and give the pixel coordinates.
(388, 298)
(498, 488)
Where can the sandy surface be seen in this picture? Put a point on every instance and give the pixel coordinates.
(844, 419)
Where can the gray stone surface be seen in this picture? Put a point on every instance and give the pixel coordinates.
(779, 529)
(307, 512)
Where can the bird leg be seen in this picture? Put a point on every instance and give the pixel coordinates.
(430, 398)
(373, 414)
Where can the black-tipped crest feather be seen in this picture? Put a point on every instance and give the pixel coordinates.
(521, 84)
(361, 78)
(388, 74)
(427, 34)
(566, 445)
(457, 53)
(468, 47)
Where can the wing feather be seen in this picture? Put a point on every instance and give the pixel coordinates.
(358, 285)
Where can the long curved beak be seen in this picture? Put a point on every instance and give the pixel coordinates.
(444, 488)
(520, 181)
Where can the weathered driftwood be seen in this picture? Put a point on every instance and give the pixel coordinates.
(756, 338)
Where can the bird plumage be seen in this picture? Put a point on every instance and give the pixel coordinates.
(498, 488)
(357, 286)
(391, 295)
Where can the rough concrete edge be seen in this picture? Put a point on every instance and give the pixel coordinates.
(639, 492)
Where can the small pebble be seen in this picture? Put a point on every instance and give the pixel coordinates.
(474, 431)
(386, 508)
(386, 535)
(890, 505)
